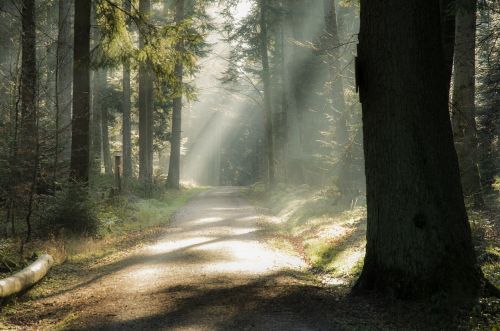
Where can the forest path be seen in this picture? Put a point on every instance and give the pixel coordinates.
(211, 271)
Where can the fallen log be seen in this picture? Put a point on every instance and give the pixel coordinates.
(27, 277)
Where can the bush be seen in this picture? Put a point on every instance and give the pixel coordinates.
(72, 211)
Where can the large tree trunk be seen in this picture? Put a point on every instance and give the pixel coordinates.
(173, 179)
(28, 141)
(126, 108)
(145, 113)
(463, 106)
(81, 93)
(64, 71)
(418, 236)
(266, 79)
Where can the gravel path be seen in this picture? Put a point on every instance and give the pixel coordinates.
(212, 271)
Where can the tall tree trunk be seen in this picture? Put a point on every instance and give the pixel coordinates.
(341, 134)
(336, 82)
(106, 153)
(463, 105)
(418, 236)
(282, 102)
(28, 138)
(81, 94)
(64, 70)
(173, 179)
(126, 108)
(447, 24)
(28, 142)
(145, 112)
(294, 58)
(266, 79)
(98, 85)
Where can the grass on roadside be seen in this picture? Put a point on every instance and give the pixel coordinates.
(329, 237)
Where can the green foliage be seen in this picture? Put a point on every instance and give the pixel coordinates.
(115, 45)
(71, 211)
(162, 38)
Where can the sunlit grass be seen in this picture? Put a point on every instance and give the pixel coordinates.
(124, 219)
(330, 237)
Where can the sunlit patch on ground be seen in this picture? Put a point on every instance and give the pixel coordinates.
(250, 257)
(169, 246)
(205, 220)
(331, 238)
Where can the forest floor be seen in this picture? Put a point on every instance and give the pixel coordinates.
(218, 266)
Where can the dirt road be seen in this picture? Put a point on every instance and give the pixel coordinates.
(212, 271)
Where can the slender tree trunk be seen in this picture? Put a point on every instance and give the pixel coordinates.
(127, 127)
(341, 134)
(336, 81)
(173, 179)
(284, 92)
(266, 78)
(98, 85)
(418, 236)
(64, 70)
(27, 143)
(447, 24)
(463, 105)
(126, 108)
(294, 59)
(282, 103)
(347, 31)
(81, 94)
(145, 112)
(28, 148)
(106, 153)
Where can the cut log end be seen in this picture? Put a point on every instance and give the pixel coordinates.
(27, 277)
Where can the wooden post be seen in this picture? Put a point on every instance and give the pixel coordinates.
(118, 182)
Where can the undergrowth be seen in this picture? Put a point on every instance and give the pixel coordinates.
(76, 226)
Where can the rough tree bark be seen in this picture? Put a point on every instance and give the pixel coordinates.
(145, 112)
(126, 108)
(173, 179)
(266, 79)
(418, 235)
(81, 94)
(463, 105)
(27, 137)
